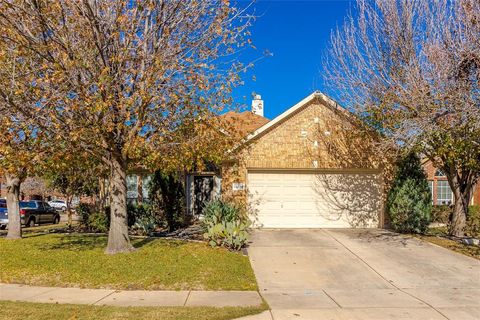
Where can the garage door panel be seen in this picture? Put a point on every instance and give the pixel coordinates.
(308, 200)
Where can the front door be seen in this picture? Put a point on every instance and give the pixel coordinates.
(203, 192)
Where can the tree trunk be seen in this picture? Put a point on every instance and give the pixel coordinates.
(459, 219)
(69, 211)
(462, 198)
(13, 208)
(118, 240)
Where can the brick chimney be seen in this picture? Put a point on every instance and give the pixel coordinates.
(257, 105)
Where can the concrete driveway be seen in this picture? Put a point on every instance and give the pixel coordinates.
(362, 274)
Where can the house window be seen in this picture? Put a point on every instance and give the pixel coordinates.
(444, 193)
(439, 173)
(146, 187)
(430, 185)
(132, 187)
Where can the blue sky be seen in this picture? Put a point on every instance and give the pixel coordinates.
(296, 33)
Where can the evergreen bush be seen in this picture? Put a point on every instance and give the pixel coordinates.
(409, 202)
(168, 197)
(473, 222)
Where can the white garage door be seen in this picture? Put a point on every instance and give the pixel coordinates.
(314, 200)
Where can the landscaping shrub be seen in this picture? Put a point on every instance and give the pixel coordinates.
(136, 212)
(98, 222)
(472, 228)
(224, 211)
(442, 214)
(144, 226)
(225, 225)
(84, 210)
(93, 220)
(168, 197)
(142, 219)
(409, 202)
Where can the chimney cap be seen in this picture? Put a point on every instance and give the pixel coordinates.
(257, 105)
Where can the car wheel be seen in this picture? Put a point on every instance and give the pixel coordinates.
(56, 220)
(64, 209)
(3, 227)
(31, 223)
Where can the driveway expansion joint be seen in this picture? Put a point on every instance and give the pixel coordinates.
(361, 274)
(326, 293)
(386, 280)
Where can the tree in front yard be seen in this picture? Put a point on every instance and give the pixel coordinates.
(411, 69)
(409, 202)
(20, 156)
(118, 77)
(21, 144)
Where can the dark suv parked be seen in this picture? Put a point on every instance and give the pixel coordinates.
(37, 212)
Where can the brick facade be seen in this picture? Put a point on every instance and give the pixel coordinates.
(435, 179)
(316, 137)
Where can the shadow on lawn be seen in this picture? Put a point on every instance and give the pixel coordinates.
(42, 229)
(73, 242)
(84, 242)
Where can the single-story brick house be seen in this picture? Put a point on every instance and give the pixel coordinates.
(310, 167)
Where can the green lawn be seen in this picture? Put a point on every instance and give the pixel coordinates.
(439, 237)
(43, 228)
(41, 311)
(158, 264)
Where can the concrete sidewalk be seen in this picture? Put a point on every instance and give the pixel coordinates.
(126, 298)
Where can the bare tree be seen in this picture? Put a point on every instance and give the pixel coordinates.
(119, 77)
(411, 69)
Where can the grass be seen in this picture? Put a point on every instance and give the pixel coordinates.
(42, 311)
(78, 260)
(439, 237)
(43, 228)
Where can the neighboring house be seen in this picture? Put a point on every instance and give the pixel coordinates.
(310, 167)
(441, 191)
(36, 188)
(33, 188)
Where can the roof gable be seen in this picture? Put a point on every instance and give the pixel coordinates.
(295, 109)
